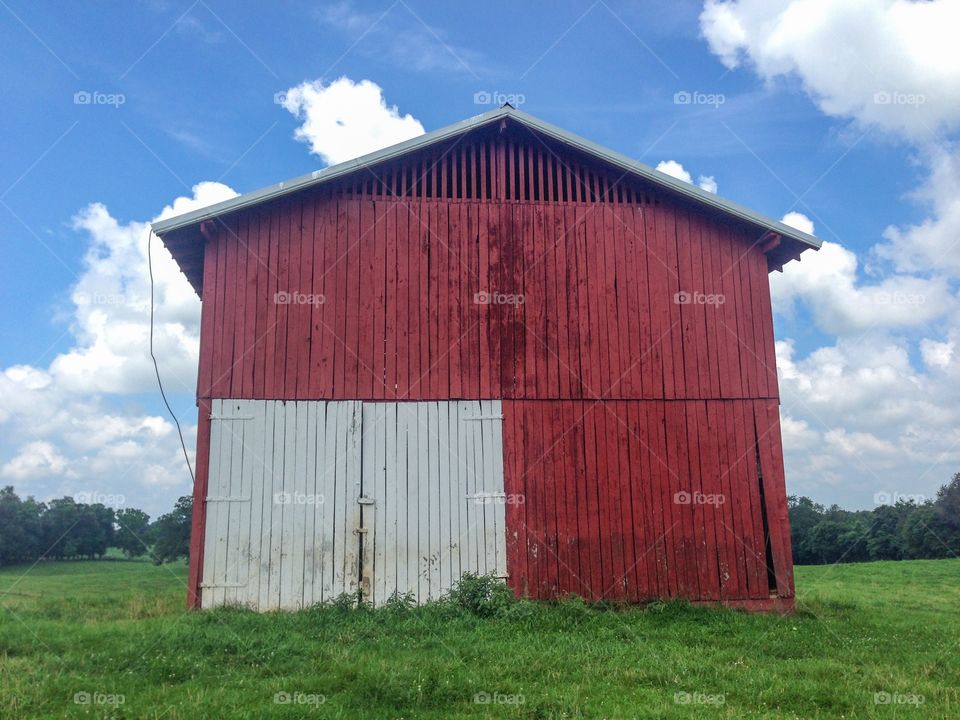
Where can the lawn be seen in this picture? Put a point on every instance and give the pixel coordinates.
(111, 639)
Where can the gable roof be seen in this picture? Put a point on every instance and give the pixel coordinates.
(801, 240)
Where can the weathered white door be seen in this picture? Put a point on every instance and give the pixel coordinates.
(282, 507)
(434, 494)
(308, 500)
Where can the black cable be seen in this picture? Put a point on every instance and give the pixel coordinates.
(156, 368)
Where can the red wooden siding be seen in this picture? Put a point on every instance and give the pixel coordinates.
(596, 312)
(616, 500)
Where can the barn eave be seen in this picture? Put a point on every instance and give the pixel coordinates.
(180, 232)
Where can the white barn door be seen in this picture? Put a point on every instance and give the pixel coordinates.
(282, 505)
(308, 500)
(434, 496)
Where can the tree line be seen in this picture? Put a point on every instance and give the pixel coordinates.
(63, 529)
(899, 530)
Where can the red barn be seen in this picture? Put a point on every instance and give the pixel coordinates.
(496, 348)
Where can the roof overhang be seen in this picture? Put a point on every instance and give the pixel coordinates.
(798, 241)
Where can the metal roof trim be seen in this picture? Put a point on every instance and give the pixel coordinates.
(680, 187)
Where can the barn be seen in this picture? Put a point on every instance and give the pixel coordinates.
(497, 348)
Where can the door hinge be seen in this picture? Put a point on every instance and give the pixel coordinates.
(231, 417)
(482, 417)
(227, 498)
(366, 501)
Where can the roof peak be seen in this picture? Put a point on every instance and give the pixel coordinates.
(625, 163)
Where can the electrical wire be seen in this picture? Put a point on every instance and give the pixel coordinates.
(156, 368)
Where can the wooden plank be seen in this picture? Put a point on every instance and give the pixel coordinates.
(434, 384)
(223, 340)
(771, 463)
(212, 530)
(422, 388)
(298, 506)
(301, 268)
(209, 324)
(484, 309)
(441, 261)
(198, 521)
(423, 503)
(389, 516)
(445, 506)
(431, 431)
(455, 323)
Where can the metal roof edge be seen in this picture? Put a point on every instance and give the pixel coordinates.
(329, 173)
(624, 162)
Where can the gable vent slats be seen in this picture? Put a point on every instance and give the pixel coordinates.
(484, 167)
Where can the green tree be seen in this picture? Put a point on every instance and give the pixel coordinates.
(21, 535)
(133, 532)
(171, 532)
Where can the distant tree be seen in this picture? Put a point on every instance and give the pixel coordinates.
(132, 532)
(884, 540)
(57, 525)
(804, 516)
(171, 532)
(923, 534)
(948, 515)
(21, 535)
(94, 531)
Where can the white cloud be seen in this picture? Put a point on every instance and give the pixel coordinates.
(347, 119)
(799, 221)
(68, 428)
(34, 459)
(675, 169)
(935, 241)
(876, 406)
(708, 183)
(828, 283)
(111, 313)
(891, 64)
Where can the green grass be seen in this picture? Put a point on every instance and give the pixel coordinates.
(118, 628)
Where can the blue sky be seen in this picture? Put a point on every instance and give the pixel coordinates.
(868, 381)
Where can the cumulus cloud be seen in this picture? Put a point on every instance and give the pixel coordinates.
(886, 63)
(675, 169)
(347, 119)
(873, 407)
(34, 460)
(828, 283)
(65, 429)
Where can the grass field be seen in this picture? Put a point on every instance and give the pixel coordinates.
(111, 639)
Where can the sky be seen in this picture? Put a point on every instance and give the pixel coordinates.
(841, 117)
